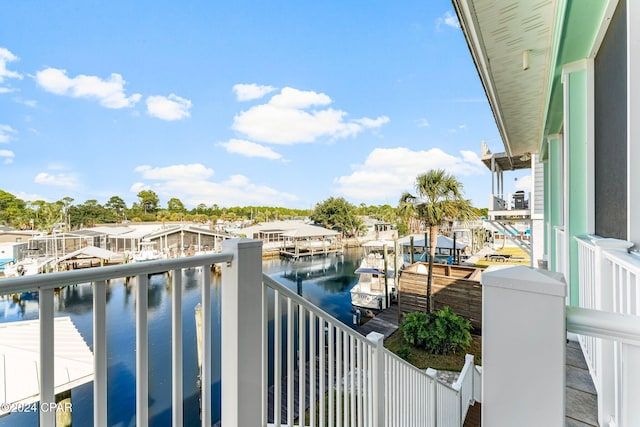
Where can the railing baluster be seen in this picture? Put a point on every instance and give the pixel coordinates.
(100, 353)
(331, 394)
(265, 356)
(47, 395)
(290, 359)
(142, 352)
(206, 347)
(323, 352)
(354, 366)
(338, 374)
(312, 368)
(302, 363)
(176, 349)
(277, 361)
(361, 392)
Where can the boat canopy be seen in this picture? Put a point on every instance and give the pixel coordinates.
(443, 242)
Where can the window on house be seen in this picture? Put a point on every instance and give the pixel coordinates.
(610, 147)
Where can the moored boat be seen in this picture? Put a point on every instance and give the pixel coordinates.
(376, 287)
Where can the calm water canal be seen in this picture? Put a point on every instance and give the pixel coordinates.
(324, 281)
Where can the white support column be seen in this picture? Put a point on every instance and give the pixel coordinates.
(377, 339)
(241, 324)
(523, 347)
(633, 126)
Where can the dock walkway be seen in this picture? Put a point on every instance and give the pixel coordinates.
(385, 322)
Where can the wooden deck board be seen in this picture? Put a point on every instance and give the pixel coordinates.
(385, 322)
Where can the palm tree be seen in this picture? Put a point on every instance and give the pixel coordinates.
(407, 212)
(439, 199)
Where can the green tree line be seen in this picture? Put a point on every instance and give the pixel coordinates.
(410, 216)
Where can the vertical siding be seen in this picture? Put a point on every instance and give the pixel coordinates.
(538, 183)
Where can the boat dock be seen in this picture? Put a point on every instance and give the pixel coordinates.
(385, 322)
(300, 251)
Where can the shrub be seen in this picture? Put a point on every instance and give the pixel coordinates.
(441, 332)
(404, 353)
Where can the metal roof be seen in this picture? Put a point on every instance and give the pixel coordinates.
(444, 242)
(19, 349)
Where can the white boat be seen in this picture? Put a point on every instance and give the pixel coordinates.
(147, 252)
(26, 267)
(370, 292)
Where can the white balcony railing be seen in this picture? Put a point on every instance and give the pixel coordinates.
(363, 383)
(509, 201)
(307, 358)
(609, 292)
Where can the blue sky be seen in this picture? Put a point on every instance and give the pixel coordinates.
(238, 103)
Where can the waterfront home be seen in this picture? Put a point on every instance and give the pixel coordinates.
(562, 79)
(374, 229)
(11, 235)
(293, 238)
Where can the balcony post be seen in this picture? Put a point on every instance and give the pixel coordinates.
(377, 339)
(241, 337)
(523, 347)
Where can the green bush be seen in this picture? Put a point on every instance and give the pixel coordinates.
(404, 353)
(441, 332)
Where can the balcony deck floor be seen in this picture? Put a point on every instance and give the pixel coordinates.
(581, 400)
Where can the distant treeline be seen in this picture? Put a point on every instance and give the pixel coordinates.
(67, 214)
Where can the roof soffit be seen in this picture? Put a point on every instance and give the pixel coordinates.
(498, 33)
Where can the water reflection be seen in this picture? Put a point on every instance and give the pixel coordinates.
(324, 281)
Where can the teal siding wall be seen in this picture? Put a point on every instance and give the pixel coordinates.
(577, 209)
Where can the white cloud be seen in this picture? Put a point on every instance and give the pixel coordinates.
(285, 119)
(138, 187)
(192, 185)
(7, 90)
(5, 133)
(448, 19)
(524, 183)
(27, 197)
(5, 57)
(28, 102)
(422, 123)
(7, 156)
(195, 171)
(170, 107)
(294, 98)
(388, 172)
(248, 92)
(110, 92)
(249, 149)
(58, 180)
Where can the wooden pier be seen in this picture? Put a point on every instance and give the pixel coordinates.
(300, 251)
(385, 322)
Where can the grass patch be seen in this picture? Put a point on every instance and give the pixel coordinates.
(521, 258)
(423, 360)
